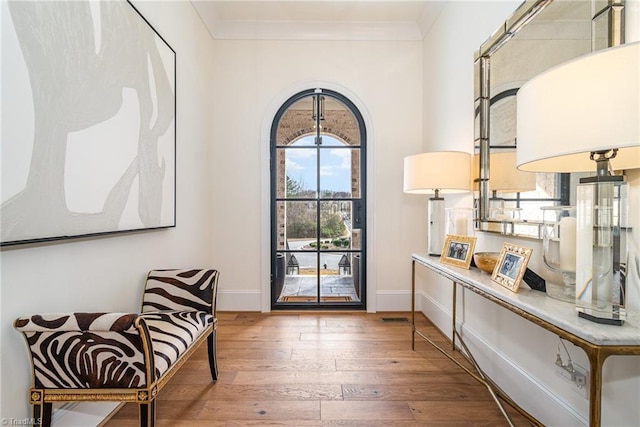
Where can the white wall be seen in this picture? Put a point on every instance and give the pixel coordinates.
(107, 274)
(516, 353)
(251, 81)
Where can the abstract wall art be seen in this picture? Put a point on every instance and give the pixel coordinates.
(88, 121)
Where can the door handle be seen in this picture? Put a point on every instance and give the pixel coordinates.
(358, 214)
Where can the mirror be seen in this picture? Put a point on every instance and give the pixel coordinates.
(537, 36)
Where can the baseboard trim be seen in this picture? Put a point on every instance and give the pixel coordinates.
(84, 414)
(393, 301)
(240, 300)
(111, 414)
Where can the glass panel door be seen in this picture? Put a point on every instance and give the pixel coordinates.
(318, 214)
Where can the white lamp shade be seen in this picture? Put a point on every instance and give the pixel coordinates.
(591, 103)
(446, 171)
(504, 176)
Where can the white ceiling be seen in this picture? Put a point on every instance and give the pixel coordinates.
(318, 19)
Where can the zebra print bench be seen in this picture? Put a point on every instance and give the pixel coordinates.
(123, 357)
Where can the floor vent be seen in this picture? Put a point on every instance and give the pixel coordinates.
(394, 319)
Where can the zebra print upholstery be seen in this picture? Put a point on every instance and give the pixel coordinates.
(122, 356)
(181, 290)
(172, 332)
(84, 350)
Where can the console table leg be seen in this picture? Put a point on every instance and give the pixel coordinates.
(484, 380)
(413, 305)
(453, 317)
(596, 360)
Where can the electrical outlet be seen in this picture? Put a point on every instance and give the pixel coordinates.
(581, 381)
(576, 375)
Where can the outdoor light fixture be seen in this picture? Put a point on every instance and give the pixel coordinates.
(437, 173)
(584, 115)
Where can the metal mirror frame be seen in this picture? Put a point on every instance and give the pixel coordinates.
(611, 12)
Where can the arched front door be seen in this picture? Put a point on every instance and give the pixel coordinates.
(318, 206)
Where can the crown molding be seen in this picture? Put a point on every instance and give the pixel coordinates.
(408, 23)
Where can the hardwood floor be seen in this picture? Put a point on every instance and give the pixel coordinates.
(322, 369)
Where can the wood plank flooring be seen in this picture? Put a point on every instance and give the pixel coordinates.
(322, 369)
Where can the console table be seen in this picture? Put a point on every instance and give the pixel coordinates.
(598, 341)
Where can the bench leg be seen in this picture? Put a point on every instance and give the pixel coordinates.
(147, 414)
(42, 414)
(213, 363)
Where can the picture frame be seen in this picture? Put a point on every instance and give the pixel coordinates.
(511, 266)
(100, 157)
(458, 250)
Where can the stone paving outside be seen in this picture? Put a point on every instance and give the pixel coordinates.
(330, 285)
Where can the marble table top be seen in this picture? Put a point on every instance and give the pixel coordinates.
(555, 312)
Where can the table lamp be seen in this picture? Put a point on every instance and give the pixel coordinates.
(584, 115)
(437, 173)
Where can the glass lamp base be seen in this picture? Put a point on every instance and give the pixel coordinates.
(602, 252)
(436, 225)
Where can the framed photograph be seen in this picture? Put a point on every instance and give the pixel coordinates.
(90, 138)
(511, 266)
(458, 250)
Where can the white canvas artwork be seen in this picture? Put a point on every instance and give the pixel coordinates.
(88, 121)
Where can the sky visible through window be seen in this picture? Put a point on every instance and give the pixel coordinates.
(335, 164)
